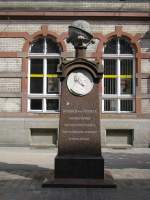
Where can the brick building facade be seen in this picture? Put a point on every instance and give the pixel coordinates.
(31, 34)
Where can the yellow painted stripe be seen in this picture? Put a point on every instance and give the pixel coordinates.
(37, 75)
(42, 75)
(125, 76)
(116, 76)
(52, 75)
(110, 76)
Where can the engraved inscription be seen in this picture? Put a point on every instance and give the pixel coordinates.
(78, 139)
(74, 132)
(78, 111)
(79, 125)
(80, 118)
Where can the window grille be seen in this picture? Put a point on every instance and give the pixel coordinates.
(43, 84)
(119, 76)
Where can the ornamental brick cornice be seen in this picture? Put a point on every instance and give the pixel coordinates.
(63, 15)
(20, 9)
(95, 5)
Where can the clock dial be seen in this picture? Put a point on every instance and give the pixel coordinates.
(80, 82)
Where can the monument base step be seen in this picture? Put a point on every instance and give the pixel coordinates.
(79, 167)
(107, 182)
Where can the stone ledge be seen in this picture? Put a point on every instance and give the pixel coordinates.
(78, 5)
(107, 182)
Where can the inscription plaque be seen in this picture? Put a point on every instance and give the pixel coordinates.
(79, 124)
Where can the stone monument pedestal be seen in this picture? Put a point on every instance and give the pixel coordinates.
(79, 162)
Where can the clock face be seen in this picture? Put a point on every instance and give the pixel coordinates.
(80, 82)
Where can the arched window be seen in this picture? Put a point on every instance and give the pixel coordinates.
(119, 76)
(43, 84)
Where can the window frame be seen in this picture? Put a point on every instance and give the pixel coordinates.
(44, 96)
(118, 96)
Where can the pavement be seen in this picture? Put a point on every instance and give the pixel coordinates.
(22, 171)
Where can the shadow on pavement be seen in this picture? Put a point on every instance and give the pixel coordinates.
(123, 160)
(24, 171)
(21, 181)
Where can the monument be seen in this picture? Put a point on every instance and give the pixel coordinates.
(79, 162)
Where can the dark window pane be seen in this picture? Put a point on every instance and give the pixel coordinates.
(52, 66)
(110, 67)
(36, 66)
(52, 46)
(36, 85)
(110, 105)
(36, 104)
(110, 86)
(125, 47)
(126, 67)
(37, 46)
(111, 47)
(126, 86)
(126, 76)
(110, 80)
(52, 104)
(126, 105)
(52, 85)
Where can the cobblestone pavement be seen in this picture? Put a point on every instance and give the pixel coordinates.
(22, 171)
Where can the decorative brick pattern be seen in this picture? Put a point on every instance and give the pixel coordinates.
(10, 104)
(145, 105)
(145, 86)
(10, 85)
(58, 27)
(10, 64)
(145, 65)
(13, 27)
(17, 43)
(102, 28)
(11, 44)
(133, 28)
